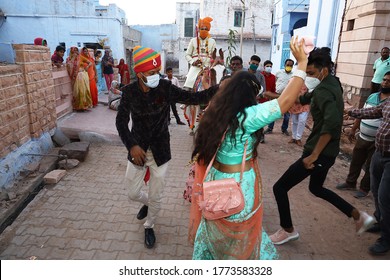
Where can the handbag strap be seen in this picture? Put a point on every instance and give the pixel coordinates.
(212, 160)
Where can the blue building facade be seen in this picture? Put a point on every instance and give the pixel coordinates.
(69, 23)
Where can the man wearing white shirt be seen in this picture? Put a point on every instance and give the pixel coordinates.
(282, 78)
(175, 82)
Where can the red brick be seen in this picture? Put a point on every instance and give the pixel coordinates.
(22, 56)
(14, 126)
(41, 103)
(40, 114)
(24, 139)
(32, 106)
(21, 89)
(35, 127)
(4, 131)
(21, 112)
(10, 69)
(36, 135)
(11, 92)
(3, 105)
(54, 176)
(33, 117)
(8, 116)
(32, 87)
(8, 140)
(24, 123)
(15, 102)
(35, 56)
(9, 81)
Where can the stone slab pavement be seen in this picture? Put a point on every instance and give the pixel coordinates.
(87, 215)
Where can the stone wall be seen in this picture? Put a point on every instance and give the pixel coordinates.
(365, 31)
(37, 71)
(63, 91)
(32, 97)
(14, 118)
(355, 96)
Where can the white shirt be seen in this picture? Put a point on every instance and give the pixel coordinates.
(282, 78)
(174, 81)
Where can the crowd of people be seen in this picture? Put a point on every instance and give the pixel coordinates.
(90, 73)
(244, 102)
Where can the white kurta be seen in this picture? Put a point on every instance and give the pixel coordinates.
(206, 48)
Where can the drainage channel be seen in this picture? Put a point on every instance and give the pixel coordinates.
(36, 186)
(19, 207)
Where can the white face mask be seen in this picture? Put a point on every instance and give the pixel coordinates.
(268, 69)
(311, 83)
(152, 81)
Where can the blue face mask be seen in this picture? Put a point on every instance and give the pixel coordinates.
(253, 67)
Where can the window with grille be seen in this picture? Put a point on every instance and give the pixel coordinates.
(188, 27)
(238, 18)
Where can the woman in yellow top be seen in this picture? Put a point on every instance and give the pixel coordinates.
(76, 66)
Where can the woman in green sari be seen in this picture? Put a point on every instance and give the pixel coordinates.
(239, 236)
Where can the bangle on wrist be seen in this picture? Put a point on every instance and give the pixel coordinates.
(300, 74)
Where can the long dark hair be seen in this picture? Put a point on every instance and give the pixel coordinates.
(229, 103)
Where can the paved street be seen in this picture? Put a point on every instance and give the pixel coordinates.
(87, 214)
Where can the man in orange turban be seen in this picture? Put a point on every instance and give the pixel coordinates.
(199, 51)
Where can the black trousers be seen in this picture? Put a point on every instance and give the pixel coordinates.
(295, 174)
(174, 111)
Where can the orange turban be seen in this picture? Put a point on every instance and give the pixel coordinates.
(206, 22)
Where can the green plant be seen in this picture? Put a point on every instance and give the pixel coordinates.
(231, 41)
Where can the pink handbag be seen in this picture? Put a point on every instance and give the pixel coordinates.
(222, 198)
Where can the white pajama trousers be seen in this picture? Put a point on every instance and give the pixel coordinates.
(134, 178)
(298, 124)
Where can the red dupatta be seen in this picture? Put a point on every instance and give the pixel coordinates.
(73, 63)
(124, 72)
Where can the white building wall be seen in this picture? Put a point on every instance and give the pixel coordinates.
(184, 10)
(223, 12)
(256, 32)
(277, 37)
(324, 22)
(70, 21)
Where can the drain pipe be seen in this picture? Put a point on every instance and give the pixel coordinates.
(61, 156)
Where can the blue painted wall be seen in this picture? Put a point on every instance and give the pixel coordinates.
(16, 161)
(72, 22)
